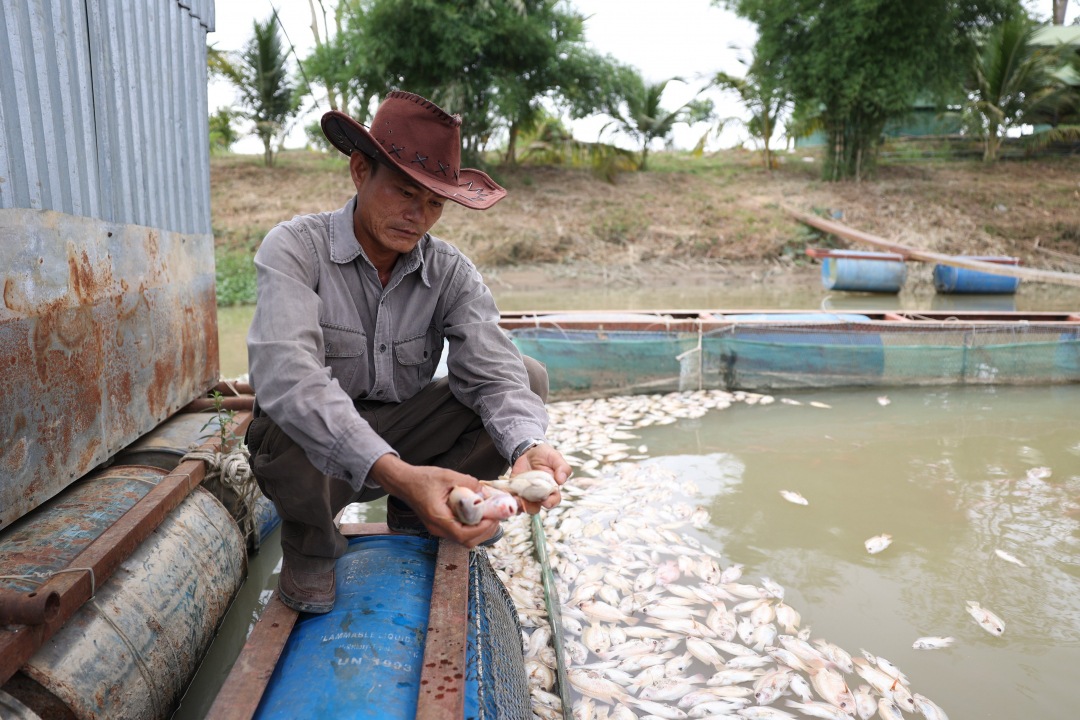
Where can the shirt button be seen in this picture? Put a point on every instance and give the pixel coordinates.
(382, 348)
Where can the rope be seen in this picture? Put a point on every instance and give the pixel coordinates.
(233, 471)
(40, 578)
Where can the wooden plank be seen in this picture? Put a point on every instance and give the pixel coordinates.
(442, 680)
(239, 697)
(365, 529)
(18, 643)
(896, 317)
(841, 230)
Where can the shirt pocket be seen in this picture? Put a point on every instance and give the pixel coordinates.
(415, 362)
(343, 348)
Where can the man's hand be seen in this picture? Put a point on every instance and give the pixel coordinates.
(546, 458)
(427, 491)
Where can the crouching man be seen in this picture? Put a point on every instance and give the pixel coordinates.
(353, 307)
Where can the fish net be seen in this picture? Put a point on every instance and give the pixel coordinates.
(764, 356)
(495, 642)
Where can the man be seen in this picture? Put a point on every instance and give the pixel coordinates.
(353, 307)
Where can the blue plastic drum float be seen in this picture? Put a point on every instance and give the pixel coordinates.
(861, 271)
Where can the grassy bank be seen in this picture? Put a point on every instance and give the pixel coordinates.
(686, 219)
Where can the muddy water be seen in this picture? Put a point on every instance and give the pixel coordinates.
(233, 322)
(943, 471)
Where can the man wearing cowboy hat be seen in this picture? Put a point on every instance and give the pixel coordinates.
(353, 308)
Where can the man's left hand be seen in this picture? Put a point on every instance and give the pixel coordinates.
(546, 458)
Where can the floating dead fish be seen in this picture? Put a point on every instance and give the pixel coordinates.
(1009, 558)
(933, 642)
(883, 400)
(878, 543)
(987, 620)
(816, 404)
(793, 497)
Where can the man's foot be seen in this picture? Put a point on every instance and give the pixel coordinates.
(402, 519)
(306, 592)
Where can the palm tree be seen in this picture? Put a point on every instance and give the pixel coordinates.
(1013, 78)
(764, 99)
(641, 116)
(266, 92)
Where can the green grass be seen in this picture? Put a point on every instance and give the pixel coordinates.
(235, 272)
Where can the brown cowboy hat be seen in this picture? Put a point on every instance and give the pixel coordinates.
(420, 139)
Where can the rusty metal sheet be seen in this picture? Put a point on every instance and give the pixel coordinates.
(243, 689)
(105, 330)
(442, 680)
(102, 555)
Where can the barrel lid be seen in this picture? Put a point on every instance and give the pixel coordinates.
(853, 254)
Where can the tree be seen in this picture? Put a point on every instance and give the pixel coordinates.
(766, 100)
(491, 61)
(1059, 11)
(864, 60)
(1013, 78)
(223, 134)
(640, 115)
(261, 76)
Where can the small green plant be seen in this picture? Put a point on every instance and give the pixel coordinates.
(221, 424)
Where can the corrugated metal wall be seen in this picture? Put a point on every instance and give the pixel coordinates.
(103, 110)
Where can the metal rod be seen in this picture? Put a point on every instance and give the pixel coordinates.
(442, 679)
(912, 253)
(244, 687)
(551, 601)
(101, 558)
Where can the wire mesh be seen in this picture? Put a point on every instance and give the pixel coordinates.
(495, 641)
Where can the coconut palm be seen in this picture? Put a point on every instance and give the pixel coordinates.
(765, 100)
(641, 116)
(262, 77)
(1012, 78)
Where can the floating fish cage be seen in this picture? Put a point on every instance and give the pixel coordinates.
(861, 271)
(950, 280)
(587, 353)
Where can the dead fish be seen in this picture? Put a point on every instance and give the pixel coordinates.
(732, 573)
(704, 652)
(658, 709)
(647, 677)
(814, 403)
(468, 506)
(771, 685)
(836, 655)
(786, 657)
(928, 708)
(539, 639)
(534, 485)
(596, 638)
(1039, 473)
(788, 617)
(865, 704)
(762, 615)
(888, 710)
(987, 620)
(774, 589)
(667, 689)
(539, 674)
(800, 687)
(594, 686)
(878, 543)
(830, 685)
(748, 662)
(603, 611)
(883, 400)
(749, 592)
(933, 642)
(763, 636)
(789, 401)
(677, 665)
(818, 710)
(764, 713)
(733, 677)
(889, 669)
(715, 708)
(794, 497)
(1009, 558)
(732, 648)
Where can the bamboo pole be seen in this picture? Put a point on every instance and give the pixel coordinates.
(911, 253)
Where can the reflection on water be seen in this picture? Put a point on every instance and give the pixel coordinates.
(945, 473)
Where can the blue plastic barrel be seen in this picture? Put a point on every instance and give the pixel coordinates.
(363, 659)
(859, 271)
(949, 279)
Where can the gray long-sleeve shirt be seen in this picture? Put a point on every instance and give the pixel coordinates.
(326, 332)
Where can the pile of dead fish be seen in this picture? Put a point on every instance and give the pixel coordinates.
(656, 624)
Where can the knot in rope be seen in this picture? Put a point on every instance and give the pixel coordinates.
(233, 471)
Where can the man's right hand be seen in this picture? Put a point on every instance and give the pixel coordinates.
(427, 491)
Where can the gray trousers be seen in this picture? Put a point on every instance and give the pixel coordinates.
(430, 428)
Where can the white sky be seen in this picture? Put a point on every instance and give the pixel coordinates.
(686, 38)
